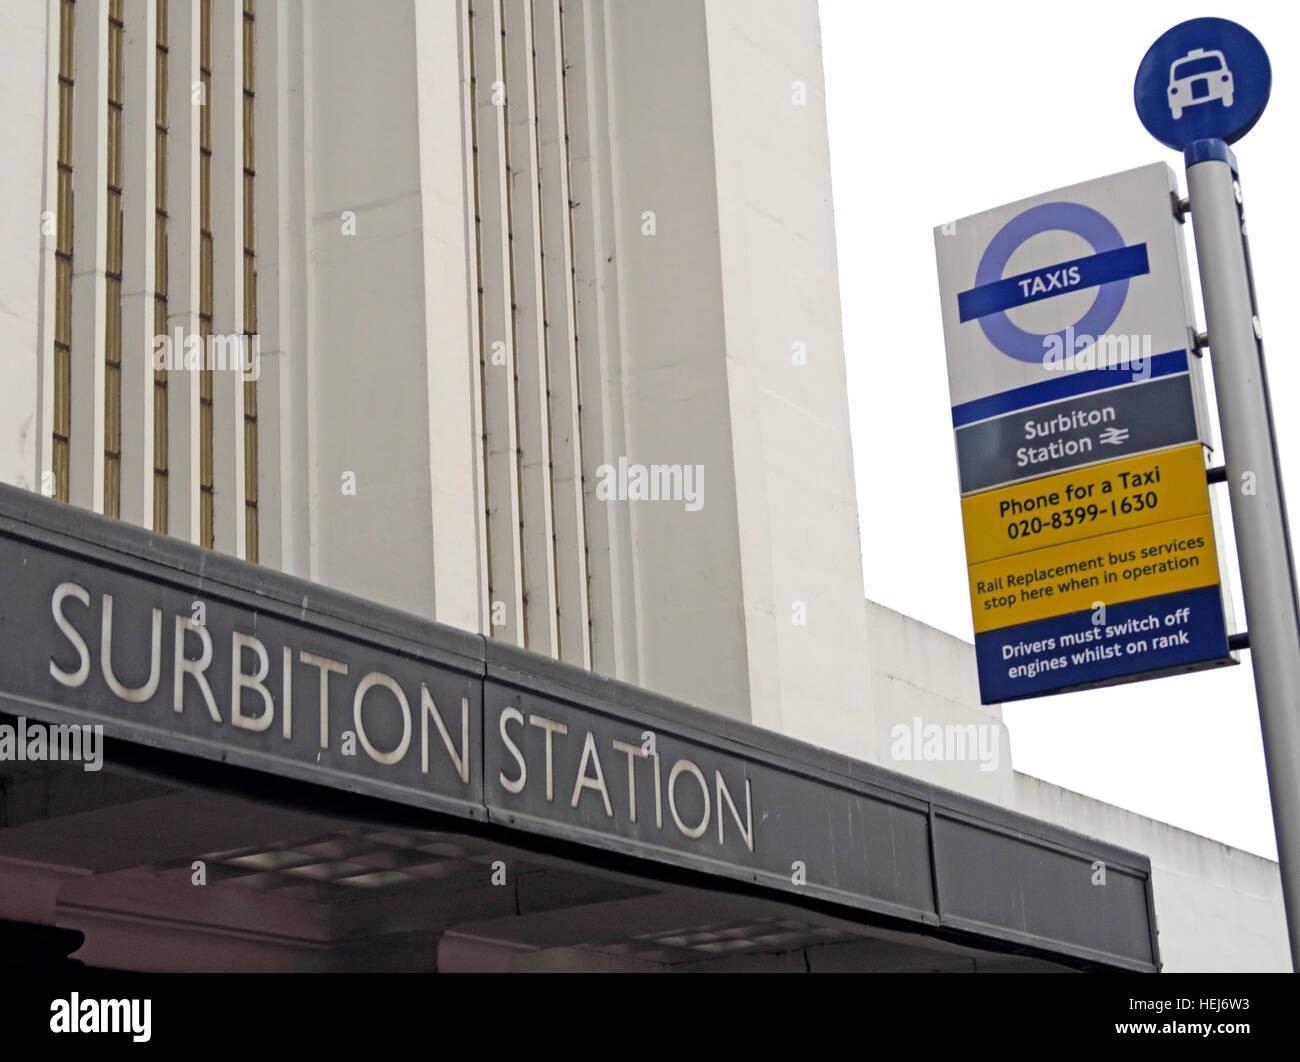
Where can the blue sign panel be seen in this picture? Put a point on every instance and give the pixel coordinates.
(1206, 79)
(1136, 640)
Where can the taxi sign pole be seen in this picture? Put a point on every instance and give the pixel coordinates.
(1258, 507)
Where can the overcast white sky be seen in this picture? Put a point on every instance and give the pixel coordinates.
(939, 110)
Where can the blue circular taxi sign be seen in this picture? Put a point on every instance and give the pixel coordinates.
(1206, 79)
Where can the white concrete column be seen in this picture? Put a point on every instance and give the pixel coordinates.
(690, 593)
(139, 278)
(537, 531)
(183, 239)
(90, 240)
(369, 378)
(451, 316)
(561, 337)
(227, 196)
(497, 333)
(279, 220)
(469, 153)
(749, 600)
(796, 507)
(29, 57)
(597, 283)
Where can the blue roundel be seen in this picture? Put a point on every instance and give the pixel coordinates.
(1207, 79)
(1081, 220)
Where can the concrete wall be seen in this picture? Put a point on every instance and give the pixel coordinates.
(387, 344)
(689, 582)
(23, 323)
(732, 359)
(922, 688)
(796, 503)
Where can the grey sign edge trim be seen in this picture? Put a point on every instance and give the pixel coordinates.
(984, 929)
(123, 547)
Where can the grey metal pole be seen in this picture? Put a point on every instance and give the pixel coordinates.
(1258, 506)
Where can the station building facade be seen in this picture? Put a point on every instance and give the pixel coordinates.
(462, 382)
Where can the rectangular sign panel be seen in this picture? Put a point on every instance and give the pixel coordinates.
(1077, 410)
(1146, 638)
(180, 649)
(1065, 294)
(1117, 496)
(1096, 427)
(1108, 569)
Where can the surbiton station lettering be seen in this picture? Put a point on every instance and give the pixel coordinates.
(344, 706)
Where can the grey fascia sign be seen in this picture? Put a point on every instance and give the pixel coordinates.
(275, 675)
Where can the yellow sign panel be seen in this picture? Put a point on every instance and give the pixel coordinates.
(1085, 502)
(1124, 566)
